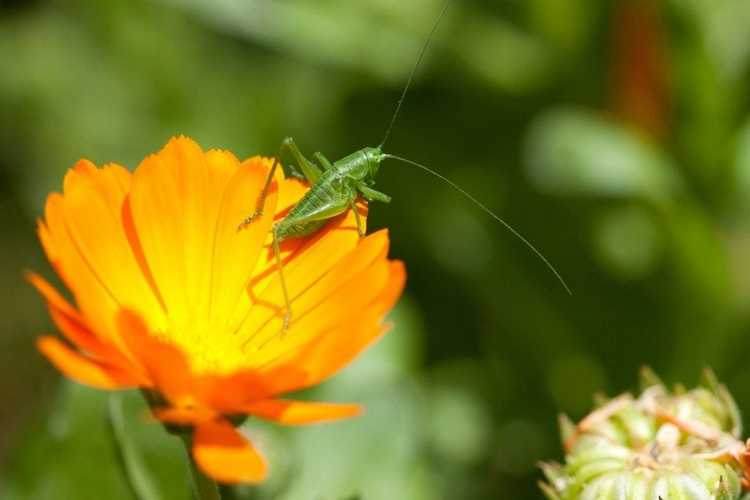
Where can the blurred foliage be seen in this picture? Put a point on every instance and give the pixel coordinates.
(615, 134)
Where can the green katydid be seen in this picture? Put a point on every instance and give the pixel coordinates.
(335, 187)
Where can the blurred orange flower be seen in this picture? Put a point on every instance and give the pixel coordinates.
(172, 298)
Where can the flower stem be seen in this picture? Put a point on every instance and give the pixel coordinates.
(204, 488)
(135, 472)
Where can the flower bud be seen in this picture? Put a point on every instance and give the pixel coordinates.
(662, 445)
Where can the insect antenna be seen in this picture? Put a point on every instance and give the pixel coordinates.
(413, 72)
(489, 212)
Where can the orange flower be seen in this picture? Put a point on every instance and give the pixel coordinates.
(173, 299)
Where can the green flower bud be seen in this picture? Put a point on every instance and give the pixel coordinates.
(668, 445)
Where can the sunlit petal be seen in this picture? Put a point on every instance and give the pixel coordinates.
(224, 454)
(83, 369)
(301, 412)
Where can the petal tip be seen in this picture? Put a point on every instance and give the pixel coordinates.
(224, 454)
(31, 277)
(182, 142)
(84, 166)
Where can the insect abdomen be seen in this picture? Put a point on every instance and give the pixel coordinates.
(298, 230)
(321, 196)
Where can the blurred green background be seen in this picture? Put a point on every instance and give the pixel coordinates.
(614, 134)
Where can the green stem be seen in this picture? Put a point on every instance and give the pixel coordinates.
(136, 474)
(204, 488)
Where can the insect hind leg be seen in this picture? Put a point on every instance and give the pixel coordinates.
(261, 202)
(287, 303)
(325, 162)
(295, 172)
(310, 171)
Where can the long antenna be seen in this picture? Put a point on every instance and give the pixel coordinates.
(413, 72)
(490, 213)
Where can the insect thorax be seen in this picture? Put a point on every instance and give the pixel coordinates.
(362, 165)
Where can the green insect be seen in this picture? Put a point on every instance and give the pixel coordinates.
(336, 186)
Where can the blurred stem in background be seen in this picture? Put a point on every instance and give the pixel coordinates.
(129, 458)
(135, 469)
(204, 488)
(640, 87)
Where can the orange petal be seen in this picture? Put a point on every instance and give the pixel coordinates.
(323, 356)
(289, 190)
(93, 214)
(236, 251)
(174, 201)
(311, 363)
(164, 364)
(353, 284)
(301, 412)
(48, 243)
(92, 297)
(184, 416)
(227, 393)
(70, 323)
(327, 260)
(225, 455)
(331, 352)
(82, 369)
(340, 236)
(394, 288)
(315, 313)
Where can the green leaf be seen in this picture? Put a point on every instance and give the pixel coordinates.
(573, 152)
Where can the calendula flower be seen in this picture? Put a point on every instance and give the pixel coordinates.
(170, 297)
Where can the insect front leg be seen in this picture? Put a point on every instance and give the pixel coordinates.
(263, 194)
(311, 172)
(360, 227)
(323, 160)
(374, 195)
